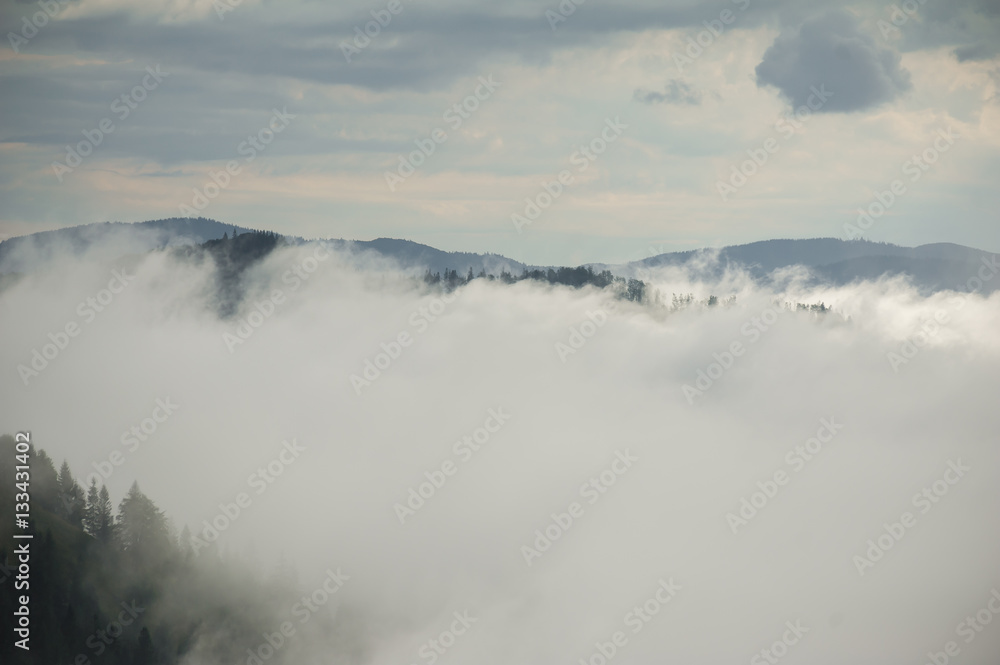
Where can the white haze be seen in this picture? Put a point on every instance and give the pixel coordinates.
(495, 346)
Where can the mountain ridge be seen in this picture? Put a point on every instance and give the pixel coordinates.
(932, 266)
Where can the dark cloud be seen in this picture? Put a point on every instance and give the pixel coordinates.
(978, 51)
(674, 92)
(970, 28)
(832, 51)
(228, 74)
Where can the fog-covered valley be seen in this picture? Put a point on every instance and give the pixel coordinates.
(545, 459)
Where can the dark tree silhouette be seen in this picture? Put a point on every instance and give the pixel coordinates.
(104, 517)
(71, 501)
(141, 526)
(90, 521)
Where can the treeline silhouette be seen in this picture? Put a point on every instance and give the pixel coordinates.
(123, 588)
(234, 255)
(629, 289)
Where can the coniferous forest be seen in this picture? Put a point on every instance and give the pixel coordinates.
(118, 585)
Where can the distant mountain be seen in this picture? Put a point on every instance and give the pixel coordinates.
(412, 255)
(106, 241)
(111, 240)
(830, 260)
(930, 267)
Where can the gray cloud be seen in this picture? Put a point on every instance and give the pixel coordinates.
(674, 92)
(228, 74)
(832, 51)
(225, 66)
(977, 51)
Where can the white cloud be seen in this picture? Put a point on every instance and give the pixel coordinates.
(494, 346)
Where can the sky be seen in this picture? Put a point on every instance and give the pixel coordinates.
(552, 133)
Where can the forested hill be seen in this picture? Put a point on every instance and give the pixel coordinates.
(106, 241)
(120, 587)
(233, 256)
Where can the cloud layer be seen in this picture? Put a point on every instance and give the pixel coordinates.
(442, 369)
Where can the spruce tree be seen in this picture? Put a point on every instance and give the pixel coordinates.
(141, 526)
(70, 496)
(104, 517)
(91, 522)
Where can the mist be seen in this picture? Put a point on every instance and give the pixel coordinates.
(543, 460)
